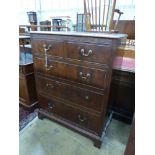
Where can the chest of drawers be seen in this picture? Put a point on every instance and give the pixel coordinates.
(73, 75)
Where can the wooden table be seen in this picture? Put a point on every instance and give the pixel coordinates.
(27, 88)
(122, 91)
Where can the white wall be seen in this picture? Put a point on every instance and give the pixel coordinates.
(47, 8)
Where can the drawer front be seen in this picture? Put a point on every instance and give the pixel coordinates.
(73, 94)
(94, 77)
(88, 52)
(81, 118)
(42, 47)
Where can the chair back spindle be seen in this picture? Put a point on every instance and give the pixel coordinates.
(99, 14)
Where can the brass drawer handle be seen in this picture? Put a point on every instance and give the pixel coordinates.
(45, 51)
(82, 119)
(51, 105)
(85, 77)
(50, 85)
(86, 54)
(46, 48)
(48, 67)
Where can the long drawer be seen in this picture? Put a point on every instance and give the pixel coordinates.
(79, 51)
(71, 93)
(81, 74)
(74, 115)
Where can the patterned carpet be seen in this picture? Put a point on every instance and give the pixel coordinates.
(25, 117)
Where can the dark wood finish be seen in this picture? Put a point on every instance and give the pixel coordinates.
(122, 95)
(88, 52)
(73, 82)
(81, 118)
(122, 92)
(86, 98)
(55, 50)
(130, 148)
(74, 72)
(72, 50)
(127, 27)
(97, 139)
(27, 88)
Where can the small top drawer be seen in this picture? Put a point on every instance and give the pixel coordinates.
(78, 51)
(88, 52)
(41, 47)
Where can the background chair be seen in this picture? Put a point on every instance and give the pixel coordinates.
(99, 14)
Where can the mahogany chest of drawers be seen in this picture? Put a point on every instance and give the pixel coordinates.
(73, 75)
